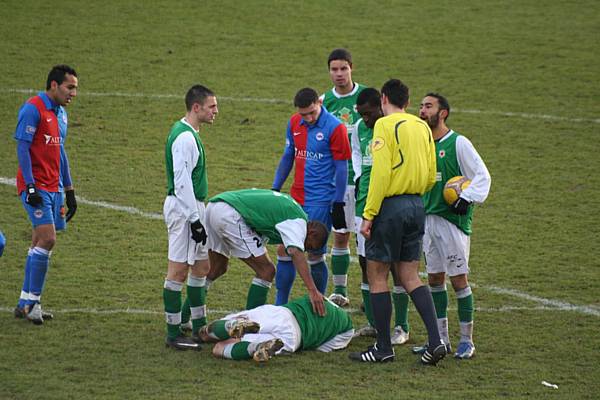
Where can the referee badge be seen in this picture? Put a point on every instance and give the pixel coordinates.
(377, 144)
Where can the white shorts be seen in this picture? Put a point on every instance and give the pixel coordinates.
(182, 248)
(229, 235)
(445, 246)
(275, 322)
(360, 239)
(349, 210)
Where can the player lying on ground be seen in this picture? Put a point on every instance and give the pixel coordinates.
(267, 330)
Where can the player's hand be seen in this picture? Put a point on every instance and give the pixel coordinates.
(365, 228)
(338, 218)
(316, 299)
(460, 206)
(198, 232)
(356, 183)
(33, 197)
(71, 204)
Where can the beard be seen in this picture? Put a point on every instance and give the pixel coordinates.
(433, 121)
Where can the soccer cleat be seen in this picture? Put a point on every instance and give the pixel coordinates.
(21, 312)
(339, 300)
(433, 355)
(265, 350)
(182, 342)
(186, 326)
(372, 354)
(35, 314)
(422, 349)
(236, 328)
(366, 330)
(465, 351)
(399, 336)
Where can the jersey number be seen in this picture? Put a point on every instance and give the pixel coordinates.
(257, 240)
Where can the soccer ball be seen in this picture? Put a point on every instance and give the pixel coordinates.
(454, 187)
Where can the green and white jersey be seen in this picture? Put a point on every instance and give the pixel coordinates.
(455, 155)
(185, 162)
(362, 162)
(343, 107)
(275, 216)
(318, 330)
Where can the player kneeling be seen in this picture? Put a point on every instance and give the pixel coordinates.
(267, 330)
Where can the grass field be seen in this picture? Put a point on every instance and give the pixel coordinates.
(522, 78)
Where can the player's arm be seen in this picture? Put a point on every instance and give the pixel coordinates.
(473, 167)
(431, 163)
(65, 172)
(185, 151)
(27, 123)
(381, 151)
(356, 153)
(299, 261)
(286, 162)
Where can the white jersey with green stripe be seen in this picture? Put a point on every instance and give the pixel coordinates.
(343, 107)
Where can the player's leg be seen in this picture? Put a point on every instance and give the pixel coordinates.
(262, 281)
(2, 243)
(464, 297)
(316, 258)
(369, 329)
(340, 253)
(284, 276)
(400, 300)
(180, 243)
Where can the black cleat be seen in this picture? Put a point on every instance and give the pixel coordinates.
(372, 354)
(433, 355)
(182, 342)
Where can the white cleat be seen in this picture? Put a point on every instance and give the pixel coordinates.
(399, 336)
(35, 314)
(366, 330)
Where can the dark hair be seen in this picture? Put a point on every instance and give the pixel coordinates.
(396, 92)
(369, 96)
(305, 97)
(58, 73)
(197, 94)
(319, 231)
(339, 54)
(442, 101)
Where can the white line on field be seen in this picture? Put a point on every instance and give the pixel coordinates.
(139, 311)
(554, 304)
(281, 101)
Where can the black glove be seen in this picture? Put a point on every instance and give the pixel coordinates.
(356, 183)
(460, 206)
(198, 232)
(338, 218)
(33, 198)
(71, 204)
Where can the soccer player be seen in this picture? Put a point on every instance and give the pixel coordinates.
(317, 143)
(341, 102)
(394, 219)
(448, 228)
(43, 164)
(368, 105)
(187, 187)
(2, 243)
(242, 222)
(267, 330)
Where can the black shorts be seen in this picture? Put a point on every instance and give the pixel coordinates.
(397, 232)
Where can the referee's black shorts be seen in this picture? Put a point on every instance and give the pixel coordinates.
(397, 232)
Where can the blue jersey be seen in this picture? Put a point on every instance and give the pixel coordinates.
(315, 148)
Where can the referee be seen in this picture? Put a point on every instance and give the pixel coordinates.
(404, 168)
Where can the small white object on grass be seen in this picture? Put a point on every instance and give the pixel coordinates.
(550, 385)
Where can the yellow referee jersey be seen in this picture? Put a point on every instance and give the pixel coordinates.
(403, 153)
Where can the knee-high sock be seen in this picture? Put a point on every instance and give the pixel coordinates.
(340, 263)
(318, 270)
(366, 295)
(284, 279)
(423, 302)
(172, 301)
(440, 301)
(239, 351)
(382, 314)
(38, 267)
(400, 299)
(258, 292)
(196, 298)
(24, 297)
(466, 307)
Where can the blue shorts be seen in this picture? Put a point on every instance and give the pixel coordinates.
(50, 212)
(321, 214)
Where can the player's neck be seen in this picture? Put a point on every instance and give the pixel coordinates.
(192, 121)
(440, 131)
(342, 90)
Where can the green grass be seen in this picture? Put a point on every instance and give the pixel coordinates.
(522, 77)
